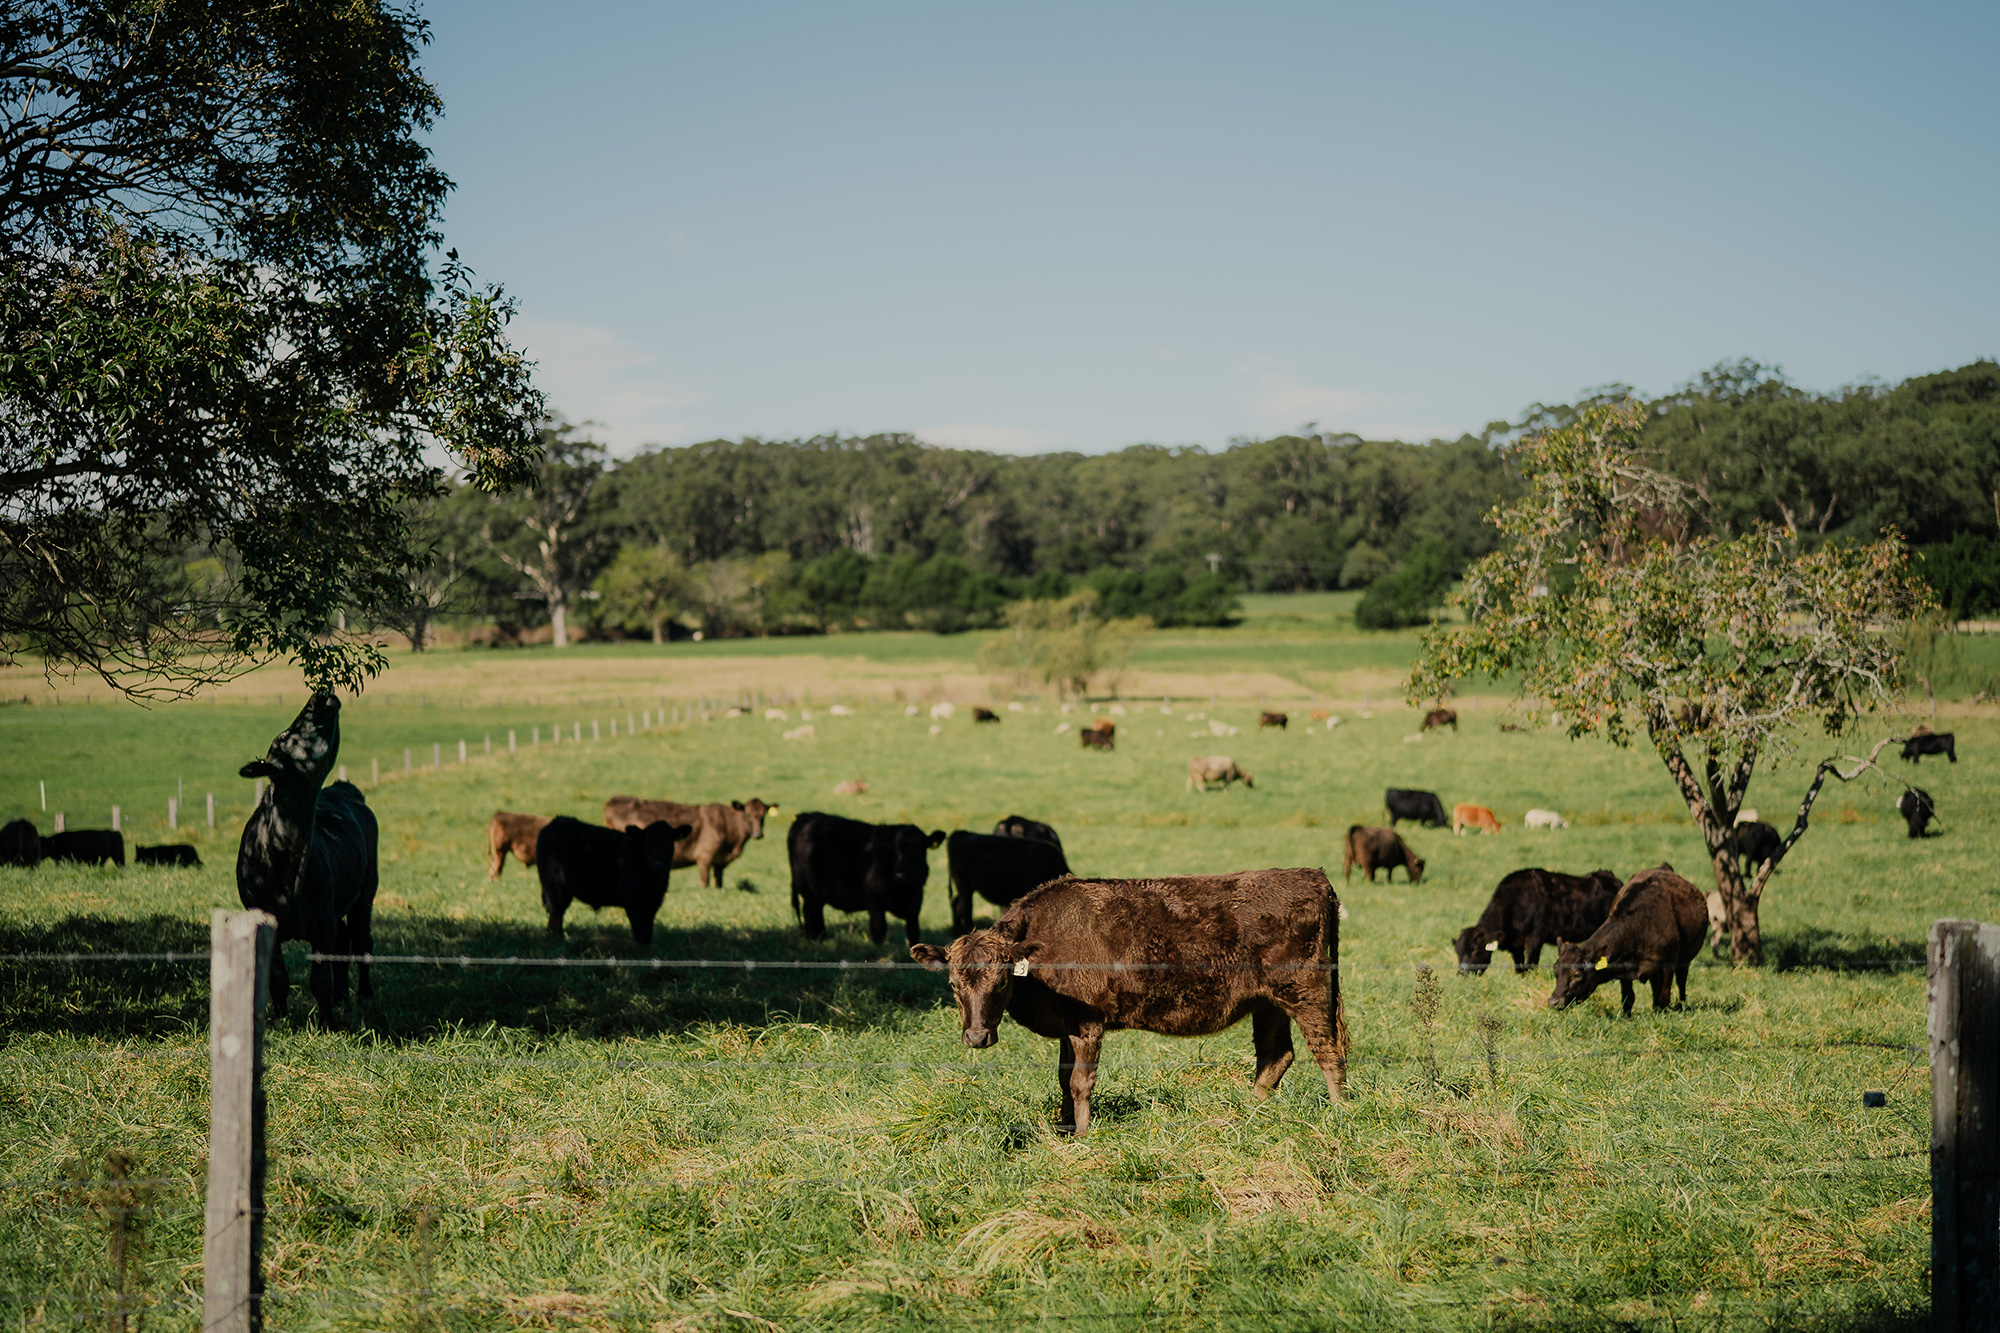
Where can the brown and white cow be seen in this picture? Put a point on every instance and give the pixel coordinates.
(510, 832)
(1465, 816)
(1186, 957)
(1206, 768)
(720, 831)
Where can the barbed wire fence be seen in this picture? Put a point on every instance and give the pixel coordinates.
(232, 1187)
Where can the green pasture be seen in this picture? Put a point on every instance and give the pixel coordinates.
(681, 1147)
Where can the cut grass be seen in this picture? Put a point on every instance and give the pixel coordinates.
(683, 1148)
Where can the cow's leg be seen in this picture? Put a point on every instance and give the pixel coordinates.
(1078, 1075)
(498, 849)
(1531, 948)
(813, 919)
(1663, 989)
(961, 910)
(703, 869)
(878, 925)
(716, 867)
(1271, 1030)
(1625, 988)
(280, 982)
(556, 901)
(1681, 975)
(361, 940)
(642, 925)
(1322, 1022)
(910, 931)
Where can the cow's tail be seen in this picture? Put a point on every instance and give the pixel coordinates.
(1346, 854)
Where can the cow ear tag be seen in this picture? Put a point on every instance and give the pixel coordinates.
(1491, 945)
(1603, 963)
(1020, 967)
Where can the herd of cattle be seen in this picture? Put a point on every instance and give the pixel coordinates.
(1069, 958)
(22, 844)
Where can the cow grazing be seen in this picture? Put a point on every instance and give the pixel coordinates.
(1277, 720)
(1321, 715)
(1207, 768)
(86, 846)
(1378, 849)
(1095, 739)
(1531, 908)
(603, 867)
(1653, 932)
(984, 715)
(997, 868)
(720, 832)
(1422, 806)
(508, 832)
(1930, 742)
(1440, 717)
(1464, 816)
(1185, 957)
(1544, 819)
(1756, 842)
(20, 844)
(1917, 810)
(850, 866)
(168, 854)
(1016, 826)
(308, 855)
(1512, 727)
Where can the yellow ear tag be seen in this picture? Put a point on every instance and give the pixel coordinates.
(1603, 963)
(1492, 945)
(1020, 967)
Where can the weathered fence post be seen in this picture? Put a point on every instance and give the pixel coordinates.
(1964, 1029)
(239, 964)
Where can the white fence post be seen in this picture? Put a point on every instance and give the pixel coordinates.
(239, 969)
(211, 809)
(1964, 1029)
(117, 824)
(173, 812)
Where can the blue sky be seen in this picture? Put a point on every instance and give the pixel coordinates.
(1031, 227)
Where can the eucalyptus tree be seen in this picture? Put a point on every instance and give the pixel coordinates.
(1616, 618)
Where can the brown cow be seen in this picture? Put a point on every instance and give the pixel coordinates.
(1440, 717)
(1465, 816)
(720, 831)
(1277, 720)
(1379, 849)
(1186, 957)
(984, 715)
(1105, 725)
(1653, 933)
(508, 832)
(1206, 768)
(1093, 739)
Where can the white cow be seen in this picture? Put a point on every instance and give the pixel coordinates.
(1544, 819)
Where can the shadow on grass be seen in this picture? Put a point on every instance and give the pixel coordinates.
(1811, 947)
(114, 1000)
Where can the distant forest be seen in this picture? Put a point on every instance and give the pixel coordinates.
(758, 536)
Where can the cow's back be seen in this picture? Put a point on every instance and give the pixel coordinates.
(1000, 868)
(341, 867)
(829, 857)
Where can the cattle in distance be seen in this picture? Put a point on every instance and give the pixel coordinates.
(1186, 956)
(1375, 849)
(1917, 810)
(984, 715)
(997, 868)
(85, 846)
(1755, 843)
(605, 867)
(1018, 826)
(308, 855)
(1535, 907)
(851, 866)
(20, 843)
(168, 854)
(1652, 933)
(1438, 718)
(1464, 816)
(1924, 741)
(719, 832)
(1095, 739)
(1544, 819)
(1422, 806)
(510, 832)
(1207, 768)
(1277, 720)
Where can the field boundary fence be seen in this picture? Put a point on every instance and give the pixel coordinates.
(1963, 1045)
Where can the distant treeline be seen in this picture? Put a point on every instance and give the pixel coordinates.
(757, 536)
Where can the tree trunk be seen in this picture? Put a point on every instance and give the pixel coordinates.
(558, 622)
(659, 629)
(1715, 818)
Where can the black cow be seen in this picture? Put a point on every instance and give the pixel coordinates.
(984, 715)
(1756, 842)
(308, 856)
(20, 844)
(606, 867)
(1531, 908)
(168, 854)
(852, 866)
(89, 846)
(1916, 809)
(1094, 738)
(998, 869)
(1422, 806)
(1931, 742)
(1015, 826)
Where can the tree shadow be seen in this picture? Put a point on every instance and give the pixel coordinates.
(1812, 947)
(113, 1000)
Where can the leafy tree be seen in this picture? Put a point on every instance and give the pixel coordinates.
(1061, 642)
(1716, 649)
(1411, 593)
(556, 535)
(221, 335)
(644, 585)
(1965, 574)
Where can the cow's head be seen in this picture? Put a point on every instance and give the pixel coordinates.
(304, 752)
(1577, 975)
(1415, 864)
(1476, 946)
(755, 810)
(983, 966)
(656, 842)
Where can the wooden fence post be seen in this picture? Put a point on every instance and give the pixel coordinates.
(239, 968)
(1964, 1028)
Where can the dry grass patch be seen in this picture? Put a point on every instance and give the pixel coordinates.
(1019, 1235)
(1274, 1185)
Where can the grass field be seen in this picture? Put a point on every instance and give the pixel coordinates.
(689, 1148)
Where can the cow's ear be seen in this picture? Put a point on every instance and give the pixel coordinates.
(257, 768)
(737, 804)
(682, 832)
(1023, 952)
(933, 958)
(936, 837)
